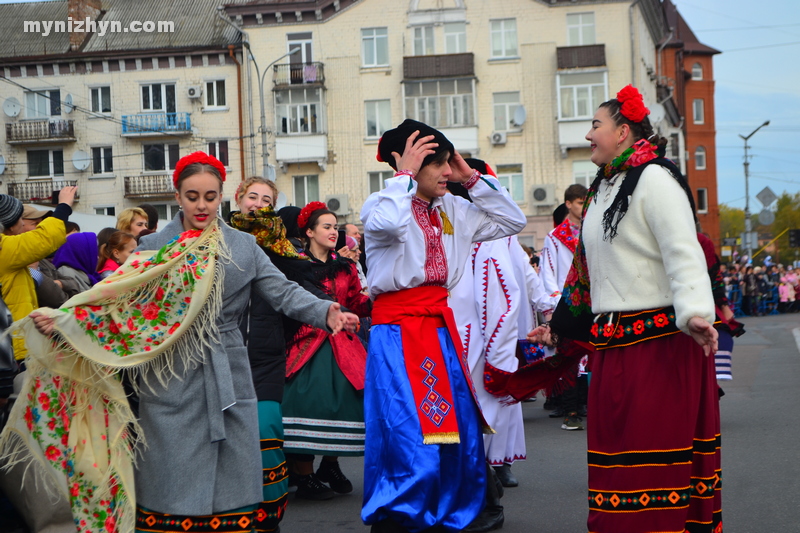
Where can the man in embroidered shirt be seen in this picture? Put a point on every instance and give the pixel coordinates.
(555, 262)
(424, 462)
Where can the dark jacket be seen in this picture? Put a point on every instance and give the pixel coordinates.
(48, 292)
(8, 365)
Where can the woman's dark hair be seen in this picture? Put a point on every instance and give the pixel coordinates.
(72, 227)
(639, 130)
(198, 168)
(313, 219)
(289, 216)
(118, 241)
(152, 215)
(104, 234)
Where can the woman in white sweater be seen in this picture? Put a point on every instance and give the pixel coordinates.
(640, 284)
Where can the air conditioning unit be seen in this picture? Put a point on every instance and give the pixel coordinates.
(499, 138)
(194, 91)
(544, 195)
(338, 204)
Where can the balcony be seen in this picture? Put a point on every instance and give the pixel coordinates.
(592, 55)
(298, 74)
(155, 186)
(39, 191)
(302, 149)
(156, 124)
(439, 66)
(40, 131)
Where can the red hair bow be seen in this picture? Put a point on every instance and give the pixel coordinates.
(197, 157)
(305, 213)
(633, 107)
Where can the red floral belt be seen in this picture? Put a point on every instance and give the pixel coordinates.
(615, 330)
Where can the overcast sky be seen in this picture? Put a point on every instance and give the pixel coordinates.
(757, 79)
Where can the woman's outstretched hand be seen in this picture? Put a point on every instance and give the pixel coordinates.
(541, 334)
(337, 320)
(44, 324)
(704, 334)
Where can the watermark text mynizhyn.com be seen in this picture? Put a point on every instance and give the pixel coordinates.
(99, 27)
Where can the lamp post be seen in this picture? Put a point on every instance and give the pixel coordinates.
(246, 43)
(748, 225)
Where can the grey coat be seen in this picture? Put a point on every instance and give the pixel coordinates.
(203, 453)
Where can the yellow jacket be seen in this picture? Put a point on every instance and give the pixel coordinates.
(16, 253)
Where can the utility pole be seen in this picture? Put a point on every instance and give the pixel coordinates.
(748, 225)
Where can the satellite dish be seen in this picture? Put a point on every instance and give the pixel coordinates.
(281, 201)
(81, 160)
(68, 107)
(520, 115)
(657, 113)
(2, 164)
(11, 107)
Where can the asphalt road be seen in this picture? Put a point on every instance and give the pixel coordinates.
(760, 441)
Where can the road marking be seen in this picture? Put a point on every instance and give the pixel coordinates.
(796, 332)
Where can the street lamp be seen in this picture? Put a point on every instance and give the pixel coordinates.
(246, 43)
(747, 223)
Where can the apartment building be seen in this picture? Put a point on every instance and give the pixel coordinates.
(113, 113)
(514, 83)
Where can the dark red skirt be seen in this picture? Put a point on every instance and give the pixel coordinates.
(654, 439)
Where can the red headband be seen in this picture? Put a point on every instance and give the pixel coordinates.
(305, 213)
(632, 104)
(197, 157)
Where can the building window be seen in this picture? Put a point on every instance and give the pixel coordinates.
(441, 104)
(674, 146)
(297, 111)
(101, 99)
(102, 160)
(510, 177)
(583, 172)
(423, 41)
(215, 93)
(45, 163)
(700, 158)
(160, 157)
(377, 180)
(702, 200)
(455, 38)
(158, 97)
(374, 47)
(166, 211)
(504, 38)
(219, 149)
(43, 104)
(107, 210)
(580, 94)
(580, 29)
(698, 111)
(505, 104)
(697, 71)
(306, 189)
(379, 117)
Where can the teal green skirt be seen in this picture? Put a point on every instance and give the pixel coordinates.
(323, 413)
(273, 463)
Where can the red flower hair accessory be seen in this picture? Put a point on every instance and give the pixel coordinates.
(632, 107)
(197, 157)
(305, 213)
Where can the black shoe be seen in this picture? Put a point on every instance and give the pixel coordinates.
(311, 488)
(558, 413)
(549, 404)
(387, 526)
(582, 412)
(505, 476)
(330, 473)
(491, 518)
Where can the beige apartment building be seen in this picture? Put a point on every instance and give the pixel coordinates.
(513, 82)
(113, 113)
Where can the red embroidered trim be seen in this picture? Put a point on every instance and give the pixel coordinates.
(409, 173)
(470, 183)
(431, 225)
(563, 233)
(503, 286)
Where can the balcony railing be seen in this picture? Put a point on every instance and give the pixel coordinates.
(591, 55)
(156, 186)
(36, 131)
(150, 124)
(439, 66)
(305, 74)
(39, 191)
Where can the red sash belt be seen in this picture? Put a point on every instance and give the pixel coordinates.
(419, 312)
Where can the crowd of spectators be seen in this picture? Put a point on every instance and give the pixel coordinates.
(762, 290)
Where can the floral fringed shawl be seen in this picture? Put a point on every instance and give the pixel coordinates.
(72, 423)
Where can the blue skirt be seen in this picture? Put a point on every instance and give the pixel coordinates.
(417, 485)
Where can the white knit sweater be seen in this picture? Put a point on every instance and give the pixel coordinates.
(655, 259)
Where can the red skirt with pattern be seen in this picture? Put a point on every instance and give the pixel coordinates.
(654, 439)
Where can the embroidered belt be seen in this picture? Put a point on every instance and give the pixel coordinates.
(419, 312)
(615, 330)
(236, 521)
